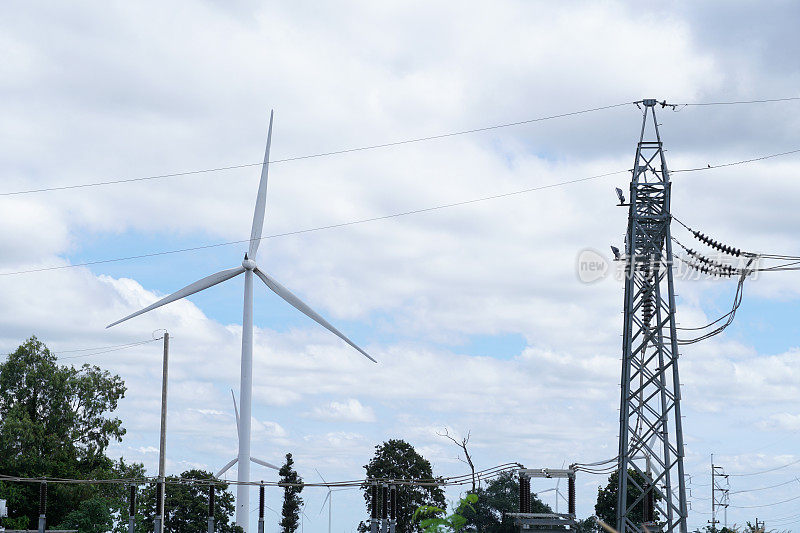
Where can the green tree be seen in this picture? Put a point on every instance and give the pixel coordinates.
(54, 422)
(113, 495)
(186, 505)
(500, 496)
(397, 459)
(91, 516)
(431, 520)
(606, 507)
(709, 529)
(292, 502)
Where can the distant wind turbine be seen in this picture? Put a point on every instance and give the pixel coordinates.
(249, 268)
(236, 459)
(329, 499)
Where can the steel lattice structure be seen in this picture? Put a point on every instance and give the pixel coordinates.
(650, 437)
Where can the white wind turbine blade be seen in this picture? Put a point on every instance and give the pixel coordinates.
(197, 286)
(261, 200)
(235, 410)
(322, 508)
(298, 304)
(226, 467)
(329, 492)
(264, 463)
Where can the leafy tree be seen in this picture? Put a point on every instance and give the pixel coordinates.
(588, 525)
(114, 496)
(91, 516)
(397, 459)
(292, 502)
(500, 496)
(430, 520)
(750, 528)
(54, 422)
(186, 505)
(709, 529)
(606, 507)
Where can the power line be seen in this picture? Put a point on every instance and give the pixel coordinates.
(744, 161)
(463, 479)
(767, 471)
(737, 102)
(97, 350)
(313, 156)
(386, 145)
(355, 222)
(795, 480)
(766, 504)
(107, 349)
(320, 228)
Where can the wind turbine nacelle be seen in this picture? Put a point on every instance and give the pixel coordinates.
(249, 264)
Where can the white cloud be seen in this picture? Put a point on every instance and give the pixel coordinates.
(91, 94)
(350, 410)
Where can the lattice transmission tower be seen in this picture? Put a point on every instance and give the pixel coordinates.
(650, 436)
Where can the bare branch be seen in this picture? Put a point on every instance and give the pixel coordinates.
(463, 446)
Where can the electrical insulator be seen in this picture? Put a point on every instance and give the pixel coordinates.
(211, 500)
(571, 495)
(647, 310)
(374, 502)
(730, 250)
(132, 501)
(159, 499)
(42, 499)
(524, 494)
(261, 501)
(393, 502)
(648, 512)
(384, 501)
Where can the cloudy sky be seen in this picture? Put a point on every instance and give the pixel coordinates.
(475, 313)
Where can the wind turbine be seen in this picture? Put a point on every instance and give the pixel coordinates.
(248, 268)
(236, 459)
(329, 499)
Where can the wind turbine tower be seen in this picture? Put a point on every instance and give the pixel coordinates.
(249, 268)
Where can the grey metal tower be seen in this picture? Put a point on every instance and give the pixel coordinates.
(650, 435)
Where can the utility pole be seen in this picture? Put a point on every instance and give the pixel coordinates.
(650, 414)
(719, 494)
(713, 497)
(162, 447)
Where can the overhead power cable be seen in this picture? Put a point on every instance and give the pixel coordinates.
(742, 162)
(791, 481)
(738, 102)
(317, 155)
(766, 471)
(400, 143)
(320, 228)
(765, 504)
(463, 479)
(349, 223)
(97, 350)
(107, 349)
